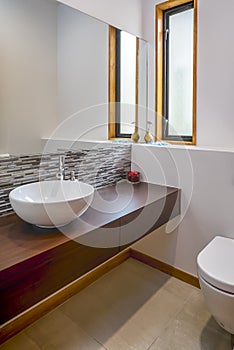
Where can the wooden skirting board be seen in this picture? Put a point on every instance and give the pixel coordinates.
(162, 266)
(31, 315)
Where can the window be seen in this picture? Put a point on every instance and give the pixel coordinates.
(123, 83)
(126, 75)
(176, 71)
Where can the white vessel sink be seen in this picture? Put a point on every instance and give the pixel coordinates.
(51, 203)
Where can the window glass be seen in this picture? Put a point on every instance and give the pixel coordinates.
(180, 73)
(176, 62)
(127, 82)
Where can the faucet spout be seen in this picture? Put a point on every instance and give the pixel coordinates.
(61, 173)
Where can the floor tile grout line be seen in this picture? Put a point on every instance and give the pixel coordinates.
(72, 321)
(33, 341)
(83, 329)
(153, 342)
(172, 319)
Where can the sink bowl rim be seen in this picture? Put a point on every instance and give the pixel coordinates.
(14, 194)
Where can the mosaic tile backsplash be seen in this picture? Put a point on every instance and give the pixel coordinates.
(100, 166)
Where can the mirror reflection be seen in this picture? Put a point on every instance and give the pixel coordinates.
(127, 82)
(54, 66)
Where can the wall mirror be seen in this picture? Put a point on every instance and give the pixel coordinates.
(54, 68)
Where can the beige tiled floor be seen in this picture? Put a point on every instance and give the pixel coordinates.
(133, 307)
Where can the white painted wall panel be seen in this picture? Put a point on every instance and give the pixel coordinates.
(125, 15)
(206, 178)
(28, 71)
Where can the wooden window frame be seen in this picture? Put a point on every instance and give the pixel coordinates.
(113, 94)
(160, 8)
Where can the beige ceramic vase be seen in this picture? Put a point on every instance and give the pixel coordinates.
(148, 137)
(135, 136)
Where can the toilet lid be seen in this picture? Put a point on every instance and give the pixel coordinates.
(216, 263)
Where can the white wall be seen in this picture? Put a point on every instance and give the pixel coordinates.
(82, 75)
(206, 178)
(125, 15)
(28, 73)
(215, 117)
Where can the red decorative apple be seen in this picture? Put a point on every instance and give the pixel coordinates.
(133, 176)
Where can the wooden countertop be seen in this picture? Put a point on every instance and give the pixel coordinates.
(20, 241)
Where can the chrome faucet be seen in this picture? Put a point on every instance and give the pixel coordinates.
(61, 173)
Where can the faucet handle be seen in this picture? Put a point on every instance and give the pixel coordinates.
(72, 176)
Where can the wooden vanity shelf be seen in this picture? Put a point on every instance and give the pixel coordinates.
(34, 262)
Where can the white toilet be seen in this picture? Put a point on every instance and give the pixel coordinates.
(216, 275)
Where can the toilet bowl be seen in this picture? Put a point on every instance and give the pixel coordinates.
(216, 276)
